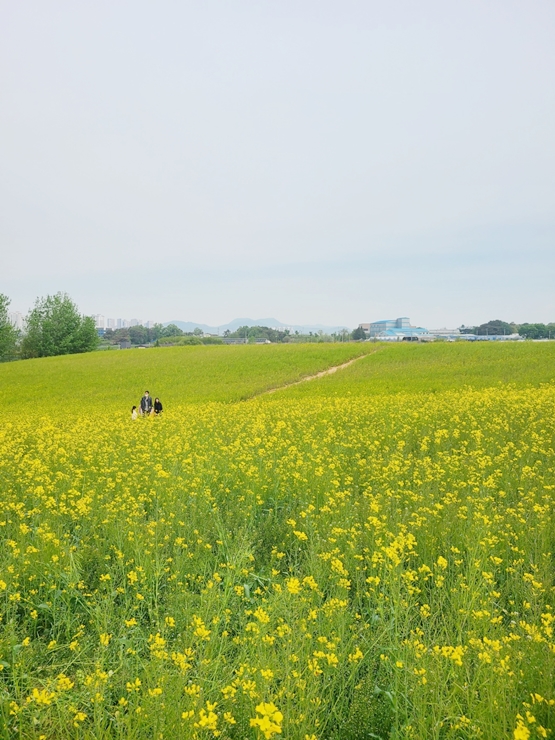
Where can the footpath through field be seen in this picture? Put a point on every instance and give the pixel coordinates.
(321, 374)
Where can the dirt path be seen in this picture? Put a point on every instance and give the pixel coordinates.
(321, 374)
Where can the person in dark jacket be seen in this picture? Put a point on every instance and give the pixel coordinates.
(146, 404)
(157, 406)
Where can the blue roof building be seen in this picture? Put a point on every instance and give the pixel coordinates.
(395, 330)
(376, 327)
(411, 333)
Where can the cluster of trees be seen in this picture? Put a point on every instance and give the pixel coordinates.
(537, 331)
(186, 339)
(496, 326)
(8, 333)
(53, 326)
(251, 333)
(172, 334)
(358, 333)
(258, 332)
(342, 336)
(135, 334)
(157, 334)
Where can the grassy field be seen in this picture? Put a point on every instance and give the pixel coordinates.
(116, 380)
(432, 368)
(366, 555)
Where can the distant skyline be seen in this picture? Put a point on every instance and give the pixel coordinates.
(321, 162)
(103, 322)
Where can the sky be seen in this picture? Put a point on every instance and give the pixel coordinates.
(317, 161)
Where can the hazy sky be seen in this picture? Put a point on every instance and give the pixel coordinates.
(311, 160)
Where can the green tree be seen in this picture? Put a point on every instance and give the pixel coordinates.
(8, 333)
(116, 336)
(55, 327)
(156, 332)
(171, 330)
(138, 334)
(533, 331)
(259, 332)
(494, 327)
(358, 333)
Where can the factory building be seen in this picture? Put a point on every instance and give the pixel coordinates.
(395, 330)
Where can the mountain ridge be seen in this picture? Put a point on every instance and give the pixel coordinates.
(273, 323)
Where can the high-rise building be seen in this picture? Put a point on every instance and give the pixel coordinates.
(16, 319)
(102, 322)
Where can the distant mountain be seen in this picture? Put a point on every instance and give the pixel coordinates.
(189, 326)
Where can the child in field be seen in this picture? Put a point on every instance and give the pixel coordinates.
(157, 406)
(134, 412)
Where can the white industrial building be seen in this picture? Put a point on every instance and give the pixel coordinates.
(395, 330)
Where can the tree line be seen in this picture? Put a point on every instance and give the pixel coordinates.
(158, 335)
(53, 326)
(279, 336)
(139, 334)
(258, 332)
(496, 326)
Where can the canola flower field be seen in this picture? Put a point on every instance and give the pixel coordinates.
(338, 560)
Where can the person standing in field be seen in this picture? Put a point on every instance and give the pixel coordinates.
(146, 404)
(157, 406)
(134, 412)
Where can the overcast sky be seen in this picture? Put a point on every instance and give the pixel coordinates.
(313, 160)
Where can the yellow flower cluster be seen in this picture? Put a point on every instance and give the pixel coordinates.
(268, 719)
(390, 558)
